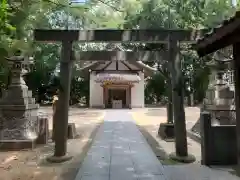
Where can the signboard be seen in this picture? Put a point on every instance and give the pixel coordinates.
(110, 77)
(117, 78)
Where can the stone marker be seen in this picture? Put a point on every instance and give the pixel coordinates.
(166, 131)
(72, 133)
(43, 130)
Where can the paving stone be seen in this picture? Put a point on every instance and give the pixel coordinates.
(100, 147)
(120, 147)
(136, 157)
(146, 162)
(119, 152)
(95, 177)
(98, 169)
(97, 157)
(121, 176)
(121, 160)
(122, 169)
(151, 177)
(92, 162)
(99, 151)
(148, 169)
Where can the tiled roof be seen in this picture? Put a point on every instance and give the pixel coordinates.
(234, 19)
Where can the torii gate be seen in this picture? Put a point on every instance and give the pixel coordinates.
(171, 37)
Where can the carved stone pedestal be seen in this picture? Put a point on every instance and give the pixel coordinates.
(18, 112)
(19, 127)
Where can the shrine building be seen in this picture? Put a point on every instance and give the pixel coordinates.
(117, 84)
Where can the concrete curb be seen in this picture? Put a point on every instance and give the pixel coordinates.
(194, 136)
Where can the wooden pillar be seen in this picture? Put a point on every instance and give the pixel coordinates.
(63, 104)
(88, 93)
(127, 96)
(170, 102)
(236, 56)
(181, 153)
(107, 95)
(104, 96)
(170, 92)
(178, 101)
(170, 109)
(130, 96)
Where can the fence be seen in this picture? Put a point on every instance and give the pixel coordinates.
(218, 143)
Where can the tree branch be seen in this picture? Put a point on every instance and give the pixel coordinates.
(114, 8)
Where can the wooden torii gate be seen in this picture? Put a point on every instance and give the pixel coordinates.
(171, 37)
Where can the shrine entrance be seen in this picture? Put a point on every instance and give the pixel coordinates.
(117, 96)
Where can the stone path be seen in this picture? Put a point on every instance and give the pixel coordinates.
(120, 152)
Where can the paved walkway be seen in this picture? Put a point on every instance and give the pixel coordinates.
(120, 152)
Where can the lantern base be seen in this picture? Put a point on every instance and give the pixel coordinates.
(16, 145)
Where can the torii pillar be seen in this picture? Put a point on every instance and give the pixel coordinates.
(181, 153)
(66, 38)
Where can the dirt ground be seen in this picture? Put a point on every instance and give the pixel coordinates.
(149, 121)
(32, 164)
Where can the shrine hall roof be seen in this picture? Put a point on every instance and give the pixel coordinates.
(139, 64)
(223, 35)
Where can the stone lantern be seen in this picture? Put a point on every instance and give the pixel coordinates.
(217, 70)
(219, 98)
(18, 111)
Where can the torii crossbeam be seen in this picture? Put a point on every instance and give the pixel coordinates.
(141, 35)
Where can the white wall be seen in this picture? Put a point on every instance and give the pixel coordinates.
(137, 93)
(96, 92)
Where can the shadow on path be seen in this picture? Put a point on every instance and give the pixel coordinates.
(159, 151)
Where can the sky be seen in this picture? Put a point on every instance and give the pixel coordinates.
(234, 3)
(77, 1)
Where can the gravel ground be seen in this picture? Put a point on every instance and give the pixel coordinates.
(32, 165)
